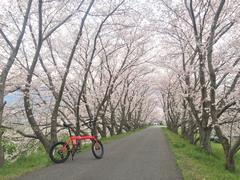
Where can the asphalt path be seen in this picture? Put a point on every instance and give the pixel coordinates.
(145, 155)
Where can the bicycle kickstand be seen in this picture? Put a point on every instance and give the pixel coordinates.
(73, 153)
(74, 150)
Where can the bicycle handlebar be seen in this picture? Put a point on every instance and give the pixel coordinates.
(71, 125)
(85, 123)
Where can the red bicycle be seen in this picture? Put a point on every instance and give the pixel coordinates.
(60, 151)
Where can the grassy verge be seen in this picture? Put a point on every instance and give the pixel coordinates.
(40, 159)
(198, 165)
(24, 164)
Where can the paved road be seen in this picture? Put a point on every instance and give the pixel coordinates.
(144, 155)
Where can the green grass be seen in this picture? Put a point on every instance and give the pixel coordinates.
(25, 164)
(40, 159)
(196, 164)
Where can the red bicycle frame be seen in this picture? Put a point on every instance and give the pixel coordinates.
(73, 139)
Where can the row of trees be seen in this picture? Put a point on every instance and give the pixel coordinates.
(72, 61)
(202, 92)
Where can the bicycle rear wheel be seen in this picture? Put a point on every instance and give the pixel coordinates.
(59, 152)
(97, 149)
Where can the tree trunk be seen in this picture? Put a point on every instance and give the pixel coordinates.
(184, 133)
(47, 145)
(104, 127)
(1, 149)
(121, 123)
(230, 162)
(190, 135)
(111, 130)
(228, 150)
(191, 131)
(119, 130)
(127, 127)
(101, 132)
(173, 128)
(1, 120)
(94, 127)
(6, 69)
(113, 123)
(205, 134)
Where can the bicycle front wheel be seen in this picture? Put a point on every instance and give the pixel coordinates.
(97, 149)
(59, 152)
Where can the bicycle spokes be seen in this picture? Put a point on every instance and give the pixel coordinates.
(97, 149)
(97, 146)
(59, 152)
